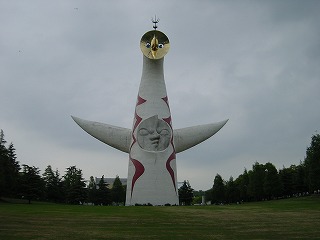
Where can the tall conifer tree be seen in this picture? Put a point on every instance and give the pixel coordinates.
(312, 162)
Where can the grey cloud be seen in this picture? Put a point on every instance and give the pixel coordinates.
(253, 62)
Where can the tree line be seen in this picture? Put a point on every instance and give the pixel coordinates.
(26, 182)
(265, 182)
(262, 182)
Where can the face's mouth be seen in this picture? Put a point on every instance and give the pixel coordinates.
(155, 142)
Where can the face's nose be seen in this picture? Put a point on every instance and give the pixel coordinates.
(154, 136)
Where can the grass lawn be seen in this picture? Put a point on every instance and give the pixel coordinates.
(296, 218)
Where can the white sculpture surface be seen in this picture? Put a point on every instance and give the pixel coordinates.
(152, 143)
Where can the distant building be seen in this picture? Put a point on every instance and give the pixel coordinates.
(110, 181)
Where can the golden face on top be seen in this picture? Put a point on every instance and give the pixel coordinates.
(154, 44)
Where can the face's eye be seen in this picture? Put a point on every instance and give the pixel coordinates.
(163, 132)
(160, 45)
(143, 132)
(148, 45)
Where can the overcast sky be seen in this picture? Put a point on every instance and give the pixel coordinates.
(256, 63)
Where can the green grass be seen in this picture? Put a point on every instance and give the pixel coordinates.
(296, 218)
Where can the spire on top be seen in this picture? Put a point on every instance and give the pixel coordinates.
(155, 21)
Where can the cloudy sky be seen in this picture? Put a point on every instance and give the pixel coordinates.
(256, 63)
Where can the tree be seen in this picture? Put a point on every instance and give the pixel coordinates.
(312, 162)
(256, 181)
(9, 169)
(218, 190)
(31, 184)
(185, 193)
(3, 164)
(299, 178)
(287, 181)
(92, 190)
(232, 192)
(13, 158)
(272, 183)
(118, 192)
(208, 195)
(53, 185)
(242, 183)
(2, 140)
(103, 193)
(74, 186)
(13, 169)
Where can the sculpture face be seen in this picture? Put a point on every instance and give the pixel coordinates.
(154, 44)
(154, 134)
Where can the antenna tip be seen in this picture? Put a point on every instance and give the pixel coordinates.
(155, 21)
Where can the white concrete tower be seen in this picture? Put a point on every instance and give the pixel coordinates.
(152, 143)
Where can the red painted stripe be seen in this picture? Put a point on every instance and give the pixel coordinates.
(139, 171)
(170, 170)
(140, 100)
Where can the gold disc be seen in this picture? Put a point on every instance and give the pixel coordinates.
(154, 44)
